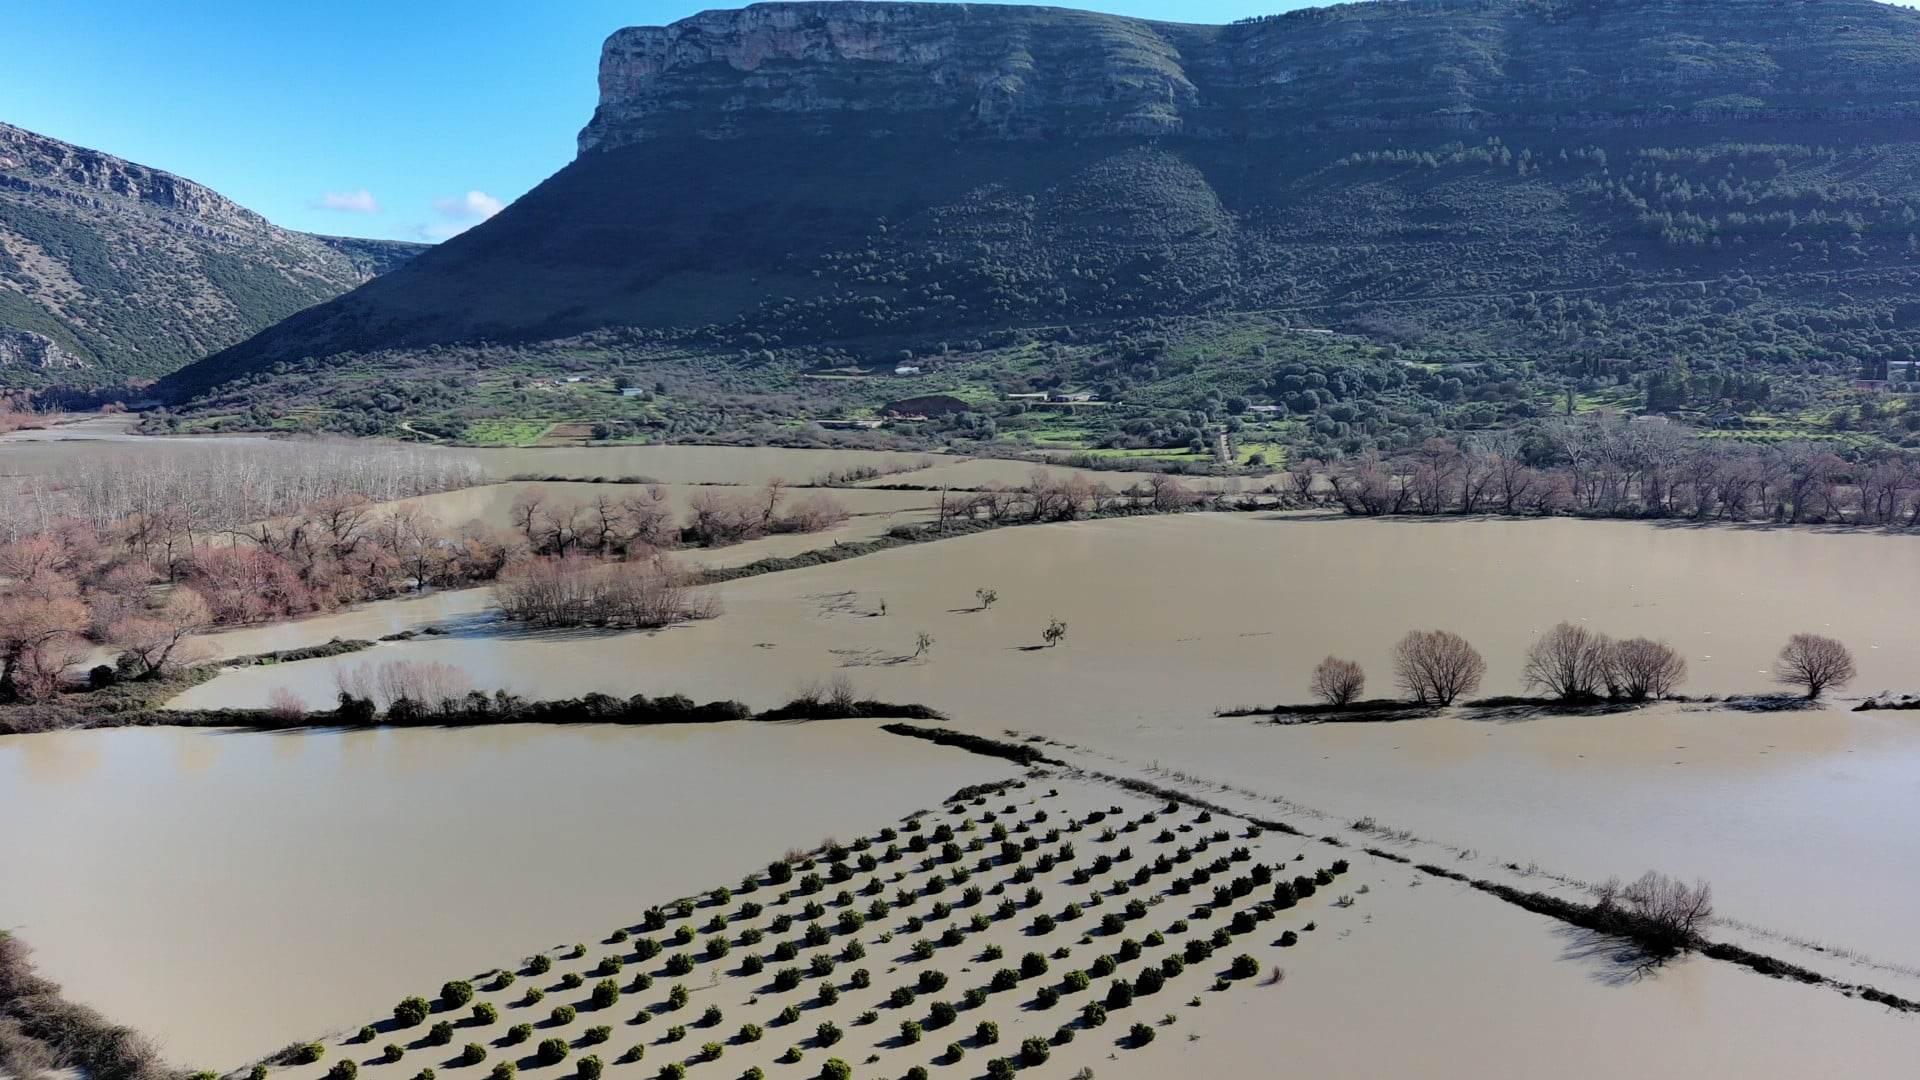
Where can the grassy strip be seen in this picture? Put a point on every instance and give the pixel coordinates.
(1621, 923)
(95, 708)
(1144, 787)
(976, 744)
(335, 647)
(41, 1030)
(1387, 855)
(478, 710)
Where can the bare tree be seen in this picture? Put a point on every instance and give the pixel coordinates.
(155, 641)
(1663, 913)
(1337, 682)
(1568, 661)
(1638, 669)
(1437, 666)
(1814, 663)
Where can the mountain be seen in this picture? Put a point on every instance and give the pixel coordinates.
(1612, 185)
(111, 270)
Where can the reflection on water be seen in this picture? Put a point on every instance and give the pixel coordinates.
(229, 892)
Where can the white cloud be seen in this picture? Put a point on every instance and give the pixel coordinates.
(473, 206)
(351, 202)
(458, 213)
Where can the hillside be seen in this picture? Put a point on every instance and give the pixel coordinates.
(1594, 186)
(112, 270)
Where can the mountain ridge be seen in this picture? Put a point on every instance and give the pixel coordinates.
(790, 185)
(110, 269)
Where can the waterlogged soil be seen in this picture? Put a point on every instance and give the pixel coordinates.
(228, 893)
(1796, 818)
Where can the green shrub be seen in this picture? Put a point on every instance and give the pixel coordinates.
(975, 997)
(673, 1070)
(1077, 981)
(677, 997)
(552, 1051)
(392, 1052)
(835, 1069)
(710, 1016)
(868, 1017)
(597, 1034)
(932, 981)
(519, 1033)
(786, 978)
(1093, 1014)
(910, 1031)
(986, 1033)
(473, 1054)
(752, 964)
(1033, 965)
(456, 993)
(1000, 1069)
(258, 1072)
(711, 1051)
(1288, 938)
(680, 964)
(901, 997)
(634, 1053)
(676, 1033)
(754, 1072)
(917, 1072)
(1062, 1035)
(790, 1014)
(1047, 998)
(503, 1070)
(411, 1012)
(860, 979)
(307, 1054)
(1034, 1051)
(344, 1069)
(606, 994)
(940, 1014)
(1142, 1034)
(1004, 980)
(717, 947)
(1149, 981)
(751, 1033)
(609, 965)
(562, 1014)
(540, 964)
(1245, 967)
(829, 993)
(1119, 994)
(791, 1056)
(827, 1033)
(572, 980)
(589, 1067)
(647, 948)
(366, 1035)
(484, 1012)
(440, 1034)
(1102, 967)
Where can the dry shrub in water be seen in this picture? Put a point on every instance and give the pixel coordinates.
(427, 683)
(575, 591)
(1337, 682)
(1436, 666)
(1662, 912)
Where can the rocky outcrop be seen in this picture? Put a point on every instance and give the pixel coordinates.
(1016, 72)
(24, 349)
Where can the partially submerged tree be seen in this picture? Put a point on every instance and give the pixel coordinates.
(1639, 668)
(1337, 682)
(1814, 663)
(1569, 661)
(1436, 666)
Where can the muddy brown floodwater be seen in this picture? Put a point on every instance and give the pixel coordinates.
(228, 893)
(1797, 818)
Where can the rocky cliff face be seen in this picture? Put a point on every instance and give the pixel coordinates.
(110, 269)
(830, 174)
(1016, 72)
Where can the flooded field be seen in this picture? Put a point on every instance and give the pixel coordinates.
(228, 893)
(346, 870)
(1172, 617)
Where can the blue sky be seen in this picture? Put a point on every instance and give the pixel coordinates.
(403, 119)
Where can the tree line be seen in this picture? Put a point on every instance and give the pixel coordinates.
(1617, 468)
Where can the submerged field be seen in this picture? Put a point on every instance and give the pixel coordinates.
(328, 874)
